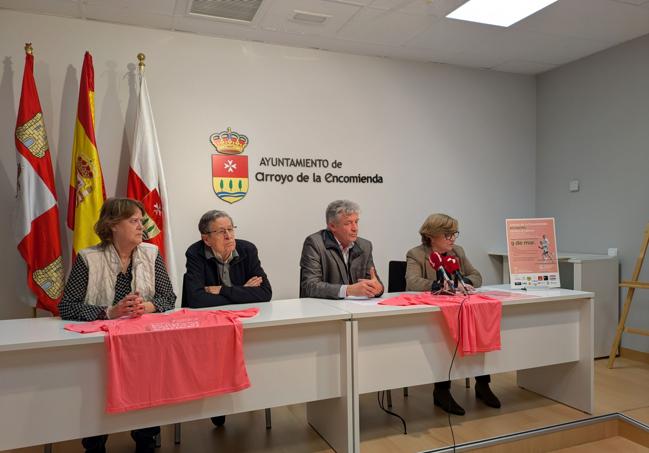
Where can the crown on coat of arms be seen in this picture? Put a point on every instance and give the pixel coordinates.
(229, 142)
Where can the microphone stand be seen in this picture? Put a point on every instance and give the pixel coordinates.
(461, 284)
(443, 281)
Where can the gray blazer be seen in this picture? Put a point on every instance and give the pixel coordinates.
(420, 275)
(323, 270)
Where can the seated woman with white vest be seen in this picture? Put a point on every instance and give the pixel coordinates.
(120, 277)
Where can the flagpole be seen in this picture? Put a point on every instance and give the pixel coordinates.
(29, 50)
(141, 63)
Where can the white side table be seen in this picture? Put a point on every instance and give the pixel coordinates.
(599, 274)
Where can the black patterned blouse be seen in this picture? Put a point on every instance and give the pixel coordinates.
(73, 307)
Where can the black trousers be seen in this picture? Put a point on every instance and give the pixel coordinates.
(446, 385)
(140, 436)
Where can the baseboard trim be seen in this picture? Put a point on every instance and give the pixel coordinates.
(632, 354)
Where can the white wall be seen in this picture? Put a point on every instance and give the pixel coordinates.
(593, 118)
(444, 138)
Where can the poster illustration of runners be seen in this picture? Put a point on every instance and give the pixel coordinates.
(532, 250)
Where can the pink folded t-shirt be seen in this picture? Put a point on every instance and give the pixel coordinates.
(479, 319)
(160, 358)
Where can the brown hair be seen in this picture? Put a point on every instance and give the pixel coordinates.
(437, 224)
(112, 212)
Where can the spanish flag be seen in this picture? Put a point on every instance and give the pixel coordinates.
(87, 192)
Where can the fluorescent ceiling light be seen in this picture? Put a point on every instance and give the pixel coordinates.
(498, 12)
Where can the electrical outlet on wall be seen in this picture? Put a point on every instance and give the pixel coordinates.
(574, 185)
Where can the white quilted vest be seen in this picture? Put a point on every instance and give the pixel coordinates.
(104, 265)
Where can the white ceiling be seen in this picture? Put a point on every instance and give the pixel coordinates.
(407, 29)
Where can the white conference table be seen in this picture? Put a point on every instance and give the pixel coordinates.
(546, 337)
(52, 381)
(314, 351)
(599, 274)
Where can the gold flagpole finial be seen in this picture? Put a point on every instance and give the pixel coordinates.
(141, 64)
(29, 50)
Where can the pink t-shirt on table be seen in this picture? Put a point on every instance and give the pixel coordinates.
(479, 318)
(162, 358)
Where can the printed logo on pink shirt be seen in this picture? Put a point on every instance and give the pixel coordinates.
(177, 324)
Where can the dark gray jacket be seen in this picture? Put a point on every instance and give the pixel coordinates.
(323, 270)
(202, 271)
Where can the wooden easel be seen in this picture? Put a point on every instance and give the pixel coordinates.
(631, 286)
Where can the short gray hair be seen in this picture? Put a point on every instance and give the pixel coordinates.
(339, 207)
(209, 217)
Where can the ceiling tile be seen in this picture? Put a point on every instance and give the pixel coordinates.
(602, 20)
(632, 2)
(280, 13)
(150, 6)
(128, 16)
(430, 7)
(544, 48)
(384, 27)
(392, 5)
(68, 8)
(434, 7)
(457, 36)
(523, 67)
(503, 44)
(366, 48)
(351, 2)
(467, 59)
(182, 6)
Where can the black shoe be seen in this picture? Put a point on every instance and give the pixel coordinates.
(143, 443)
(484, 393)
(95, 444)
(444, 400)
(219, 421)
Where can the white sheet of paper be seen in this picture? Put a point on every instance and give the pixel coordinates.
(362, 300)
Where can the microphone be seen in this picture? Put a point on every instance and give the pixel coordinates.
(452, 265)
(437, 262)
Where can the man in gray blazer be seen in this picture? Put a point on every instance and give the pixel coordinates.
(335, 262)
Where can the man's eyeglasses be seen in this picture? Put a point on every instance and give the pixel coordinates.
(222, 231)
(451, 236)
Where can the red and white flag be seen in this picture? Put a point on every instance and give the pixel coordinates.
(37, 212)
(146, 182)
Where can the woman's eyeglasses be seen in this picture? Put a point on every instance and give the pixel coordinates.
(451, 236)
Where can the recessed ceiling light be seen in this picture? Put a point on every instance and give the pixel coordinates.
(502, 13)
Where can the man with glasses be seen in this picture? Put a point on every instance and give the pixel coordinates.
(222, 270)
(335, 262)
(438, 234)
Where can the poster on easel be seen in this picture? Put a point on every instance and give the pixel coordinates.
(532, 252)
